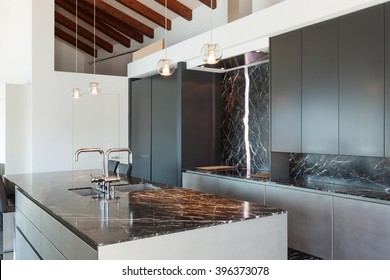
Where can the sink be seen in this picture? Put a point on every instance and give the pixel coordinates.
(135, 187)
(86, 191)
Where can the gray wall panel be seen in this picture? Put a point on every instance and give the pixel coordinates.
(286, 92)
(165, 161)
(320, 93)
(362, 83)
(141, 102)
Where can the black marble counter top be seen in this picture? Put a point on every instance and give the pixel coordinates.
(131, 215)
(369, 191)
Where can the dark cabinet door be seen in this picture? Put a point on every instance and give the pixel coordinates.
(140, 122)
(387, 82)
(286, 92)
(362, 83)
(166, 144)
(320, 95)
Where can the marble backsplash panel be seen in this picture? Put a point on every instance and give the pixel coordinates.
(233, 110)
(341, 169)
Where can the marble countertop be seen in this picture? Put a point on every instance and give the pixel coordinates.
(131, 215)
(379, 193)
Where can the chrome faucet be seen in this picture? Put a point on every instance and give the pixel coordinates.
(104, 181)
(114, 150)
(90, 150)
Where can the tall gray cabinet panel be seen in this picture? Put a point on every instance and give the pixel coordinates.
(165, 142)
(286, 92)
(362, 83)
(141, 102)
(387, 81)
(320, 95)
(174, 124)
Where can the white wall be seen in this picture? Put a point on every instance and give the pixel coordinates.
(2, 123)
(18, 129)
(52, 107)
(15, 42)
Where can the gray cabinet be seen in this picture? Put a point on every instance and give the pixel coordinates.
(253, 192)
(201, 183)
(320, 88)
(361, 83)
(387, 79)
(166, 150)
(361, 230)
(40, 236)
(173, 124)
(141, 126)
(310, 219)
(286, 92)
(229, 187)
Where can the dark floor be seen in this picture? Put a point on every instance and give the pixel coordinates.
(298, 255)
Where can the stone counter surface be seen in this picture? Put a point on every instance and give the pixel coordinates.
(369, 191)
(131, 215)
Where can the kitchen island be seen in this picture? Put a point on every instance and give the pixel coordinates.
(59, 216)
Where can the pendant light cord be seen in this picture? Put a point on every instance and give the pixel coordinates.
(211, 21)
(76, 40)
(165, 29)
(94, 39)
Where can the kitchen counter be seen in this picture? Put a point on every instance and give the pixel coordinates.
(370, 192)
(134, 216)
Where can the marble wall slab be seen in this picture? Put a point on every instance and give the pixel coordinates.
(341, 169)
(233, 110)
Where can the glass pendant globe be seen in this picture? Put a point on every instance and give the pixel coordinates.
(165, 67)
(94, 88)
(211, 53)
(76, 93)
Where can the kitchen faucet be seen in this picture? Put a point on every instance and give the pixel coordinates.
(89, 150)
(104, 181)
(129, 158)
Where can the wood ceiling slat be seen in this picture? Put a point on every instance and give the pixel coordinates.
(145, 11)
(118, 15)
(177, 8)
(208, 3)
(72, 40)
(71, 25)
(109, 20)
(69, 5)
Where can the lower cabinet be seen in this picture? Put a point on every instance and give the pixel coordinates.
(321, 224)
(202, 183)
(231, 188)
(40, 236)
(310, 219)
(361, 230)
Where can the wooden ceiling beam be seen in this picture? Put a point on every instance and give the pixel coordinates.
(178, 8)
(117, 15)
(208, 3)
(72, 40)
(109, 20)
(71, 25)
(146, 12)
(70, 6)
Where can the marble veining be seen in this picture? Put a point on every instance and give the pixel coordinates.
(341, 169)
(233, 111)
(131, 215)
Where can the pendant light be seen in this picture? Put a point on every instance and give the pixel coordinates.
(76, 92)
(94, 87)
(211, 53)
(165, 66)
